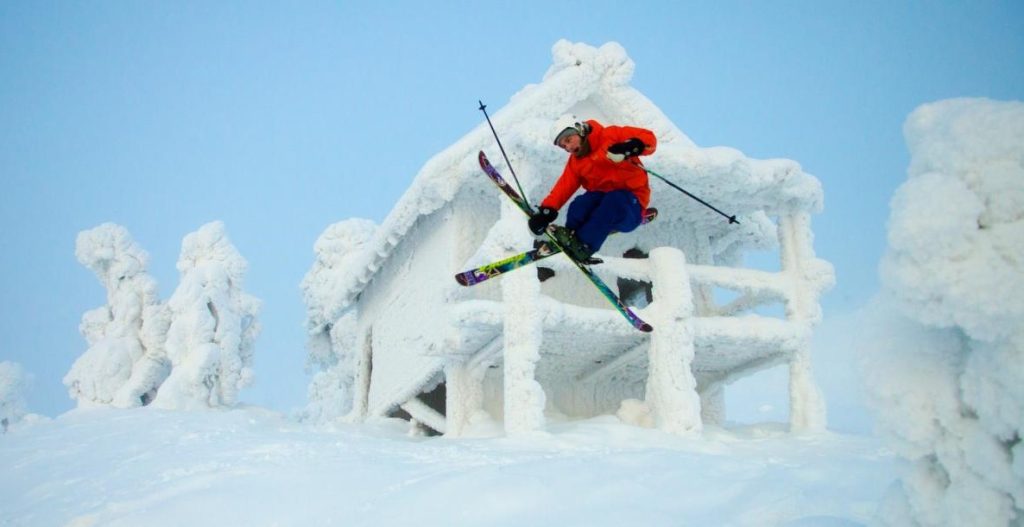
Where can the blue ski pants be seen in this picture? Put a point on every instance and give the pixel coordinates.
(594, 215)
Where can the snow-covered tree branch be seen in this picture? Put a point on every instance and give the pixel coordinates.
(212, 324)
(125, 362)
(329, 321)
(947, 372)
(13, 381)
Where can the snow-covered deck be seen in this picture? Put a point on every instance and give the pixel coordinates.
(589, 359)
(582, 343)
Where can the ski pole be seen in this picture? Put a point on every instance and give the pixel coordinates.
(483, 108)
(732, 219)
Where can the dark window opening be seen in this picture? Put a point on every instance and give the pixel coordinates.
(635, 292)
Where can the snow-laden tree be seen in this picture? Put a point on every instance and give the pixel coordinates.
(212, 324)
(125, 363)
(330, 322)
(13, 383)
(947, 369)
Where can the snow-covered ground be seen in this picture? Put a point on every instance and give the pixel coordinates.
(253, 467)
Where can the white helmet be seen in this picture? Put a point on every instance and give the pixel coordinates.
(567, 125)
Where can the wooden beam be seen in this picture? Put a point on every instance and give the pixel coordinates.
(615, 364)
(425, 414)
(486, 354)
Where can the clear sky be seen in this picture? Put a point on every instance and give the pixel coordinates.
(283, 118)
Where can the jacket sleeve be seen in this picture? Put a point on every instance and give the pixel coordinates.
(618, 134)
(567, 185)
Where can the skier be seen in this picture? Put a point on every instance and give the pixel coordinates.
(604, 161)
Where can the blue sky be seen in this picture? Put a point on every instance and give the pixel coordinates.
(281, 119)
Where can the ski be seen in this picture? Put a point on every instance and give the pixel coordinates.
(491, 270)
(485, 272)
(602, 287)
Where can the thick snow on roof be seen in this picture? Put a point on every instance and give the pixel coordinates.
(593, 82)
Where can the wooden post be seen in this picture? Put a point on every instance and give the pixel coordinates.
(464, 396)
(524, 399)
(712, 404)
(704, 295)
(671, 387)
(363, 372)
(806, 402)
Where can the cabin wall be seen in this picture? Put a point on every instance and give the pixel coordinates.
(476, 208)
(407, 297)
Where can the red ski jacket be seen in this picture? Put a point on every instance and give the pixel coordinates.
(594, 171)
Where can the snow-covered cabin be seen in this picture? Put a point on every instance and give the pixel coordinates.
(519, 350)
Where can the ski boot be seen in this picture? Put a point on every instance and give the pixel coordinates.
(574, 248)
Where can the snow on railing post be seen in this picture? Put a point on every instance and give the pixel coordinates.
(524, 398)
(464, 396)
(671, 387)
(712, 405)
(703, 294)
(807, 404)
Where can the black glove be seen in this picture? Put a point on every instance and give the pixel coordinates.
(541, 219)
(630, 148)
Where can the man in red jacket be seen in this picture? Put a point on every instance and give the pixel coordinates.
(604, 161)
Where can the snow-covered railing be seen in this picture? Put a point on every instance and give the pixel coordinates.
(756, 287)
(682, 322)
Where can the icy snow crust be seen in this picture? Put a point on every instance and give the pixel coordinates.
(946, 361)
(148, 467)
